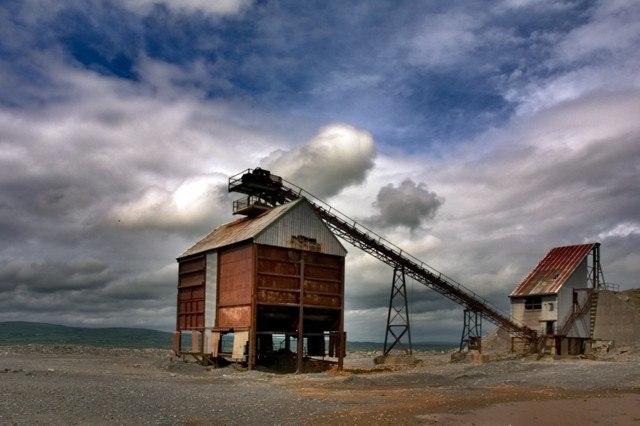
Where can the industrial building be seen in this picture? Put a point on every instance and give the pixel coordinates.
(276, 272)
(558, 298)
(566, 300)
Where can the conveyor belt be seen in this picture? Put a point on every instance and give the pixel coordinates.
(277, 190)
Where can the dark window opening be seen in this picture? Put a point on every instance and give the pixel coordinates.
(533, 303)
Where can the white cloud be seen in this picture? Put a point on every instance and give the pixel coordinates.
(443, 39)
(613, 30)
(596, 57)
(621, 230)
(338, 156)
(197, 204)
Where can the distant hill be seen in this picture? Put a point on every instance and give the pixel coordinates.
(22, 333)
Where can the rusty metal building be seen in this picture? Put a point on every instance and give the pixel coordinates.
(558, 298)
(277, 272)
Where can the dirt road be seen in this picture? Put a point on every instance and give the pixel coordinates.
(71, 385)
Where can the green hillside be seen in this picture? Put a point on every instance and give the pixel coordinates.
(22, 333)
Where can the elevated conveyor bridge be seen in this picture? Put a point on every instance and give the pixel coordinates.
(274, 190)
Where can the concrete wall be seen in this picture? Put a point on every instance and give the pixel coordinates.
(616, 319)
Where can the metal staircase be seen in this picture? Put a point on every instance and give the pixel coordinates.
(593, 308)
(275, 190)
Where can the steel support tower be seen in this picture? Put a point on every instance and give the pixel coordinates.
(398, 317)
(471, 331)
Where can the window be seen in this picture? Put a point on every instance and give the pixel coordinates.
(533, 303)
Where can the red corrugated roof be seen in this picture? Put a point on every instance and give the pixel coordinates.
(552, 271)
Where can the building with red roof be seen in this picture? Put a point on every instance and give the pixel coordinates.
(557, 298)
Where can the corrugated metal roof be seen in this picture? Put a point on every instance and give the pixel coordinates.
(239, 230)
(250, 228)
(552, 271)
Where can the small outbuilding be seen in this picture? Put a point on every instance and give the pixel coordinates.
(257, 284)
(558, 298)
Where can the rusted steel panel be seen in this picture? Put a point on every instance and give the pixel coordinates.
(193, 279)
(190, 310)
(278, 267)
(278, 297)
(190, 322)
(312, 299)
(191, 265)
(191, 272)
(324, 260)
(322, 273)
(234, 316)
(322, 287)
(235, 275)
(553, 270)
(278, 253)
(176, 341)
(277, 282)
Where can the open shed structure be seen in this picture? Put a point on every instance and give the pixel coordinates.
(558, 298)
(278, 272)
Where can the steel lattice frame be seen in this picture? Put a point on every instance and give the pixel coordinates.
(471, 330)
(398, 317)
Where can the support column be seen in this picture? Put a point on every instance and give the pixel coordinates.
(398, 317)
(597, 277)
(342, 335)
(300, 348)
(471, 331)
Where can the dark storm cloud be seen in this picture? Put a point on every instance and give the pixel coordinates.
(408, 204)
(49, 277)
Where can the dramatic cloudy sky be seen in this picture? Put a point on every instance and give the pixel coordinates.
(475, 135)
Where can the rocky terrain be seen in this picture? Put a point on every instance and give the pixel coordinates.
(80, 385)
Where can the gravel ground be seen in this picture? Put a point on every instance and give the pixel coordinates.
(76, 385)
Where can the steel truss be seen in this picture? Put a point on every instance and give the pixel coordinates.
(398, 317)
(471, 331)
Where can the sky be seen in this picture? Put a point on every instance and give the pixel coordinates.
(474, 135)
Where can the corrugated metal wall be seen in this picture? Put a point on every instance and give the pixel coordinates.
(301, 221)
(191, 293)
(235, 286)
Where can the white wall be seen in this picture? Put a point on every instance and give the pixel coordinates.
(577, 280)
